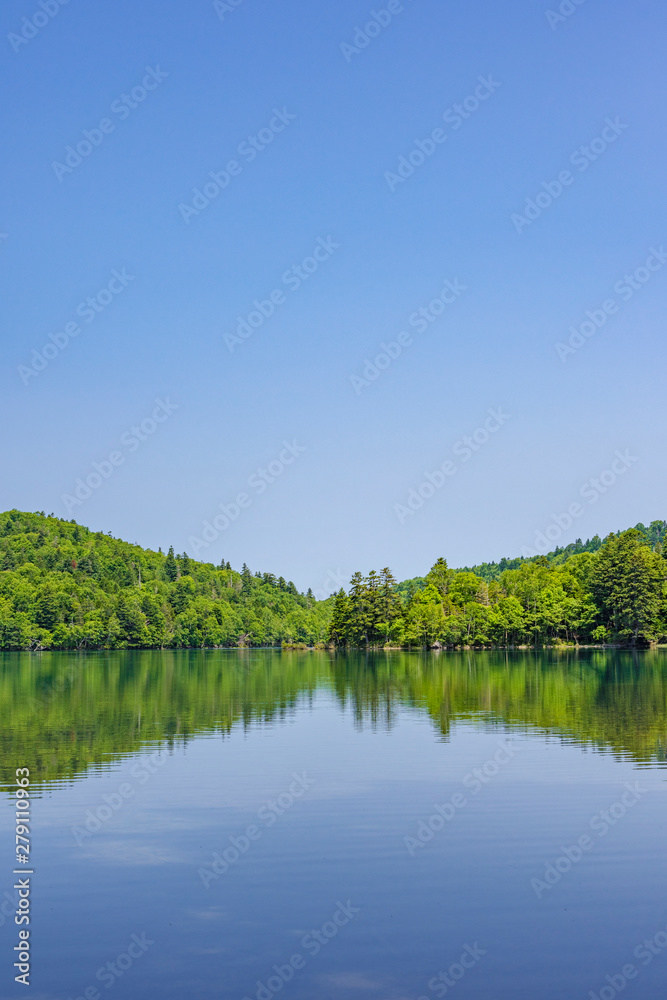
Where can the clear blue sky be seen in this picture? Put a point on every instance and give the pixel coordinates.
(331, 123)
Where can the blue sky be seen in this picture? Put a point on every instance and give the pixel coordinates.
(315, 131)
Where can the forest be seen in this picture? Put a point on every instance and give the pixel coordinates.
(611, 592)
(64, 587)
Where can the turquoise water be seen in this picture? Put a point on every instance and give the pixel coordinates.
(257, 824)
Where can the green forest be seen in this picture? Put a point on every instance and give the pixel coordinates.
(64, 587)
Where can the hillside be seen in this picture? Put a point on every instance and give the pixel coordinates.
(65, 587)
(654, 535)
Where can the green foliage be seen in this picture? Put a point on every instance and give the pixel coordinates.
(653, 536)
(616, 594)
(628, 585)
(367, 616)
(64, 587)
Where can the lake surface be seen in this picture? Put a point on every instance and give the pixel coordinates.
(251, 824)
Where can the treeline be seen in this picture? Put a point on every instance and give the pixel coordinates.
(616, 594)
(653, 535)
(65, 587)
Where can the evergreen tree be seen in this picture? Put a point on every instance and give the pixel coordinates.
(340, 624)
(246, 581)
(373, 607)
(389, 601)
(171, 566)
(357, 630)
(440, 576)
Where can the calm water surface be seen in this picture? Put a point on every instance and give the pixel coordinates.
(255, 824)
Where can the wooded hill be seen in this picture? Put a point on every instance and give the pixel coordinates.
(63, 586)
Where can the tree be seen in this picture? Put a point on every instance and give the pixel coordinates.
(171, 566)
(46, 609)
(627, 583)
(132, 622)
(507, 620)
(440, 576)
(339, 624)
(389, 603)
(358, 620)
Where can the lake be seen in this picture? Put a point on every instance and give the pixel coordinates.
(257, 823)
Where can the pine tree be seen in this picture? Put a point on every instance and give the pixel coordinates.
(440, 576)
(171, 566)
(246, 580)
(357, 630)
(339, 625)
(390, 602)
